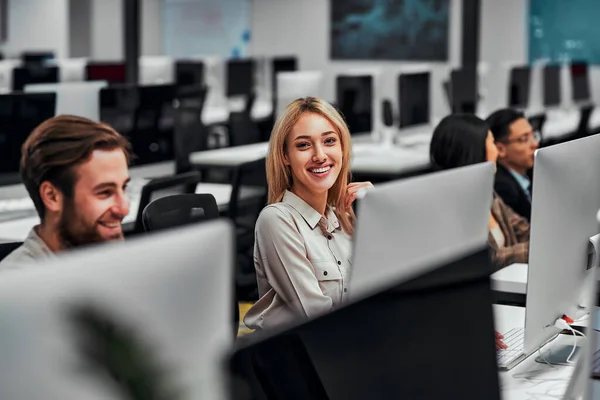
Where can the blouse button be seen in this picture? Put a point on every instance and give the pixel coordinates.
(329, 237)
(325, 273)
(339, 263)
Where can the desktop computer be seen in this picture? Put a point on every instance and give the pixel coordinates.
(354, 96)
(413, 97)
(112, 320)
(111, 72)
(566, 198)
(36, 57)
(240, 77)
(189, 73)
(20, 114)
(281, 64)
(397, 343)
(580, 81)
(519, 87)
(410, 224)
(26, 75)
(461, 91)
(295, 85)
(156, 70)
(552, 85)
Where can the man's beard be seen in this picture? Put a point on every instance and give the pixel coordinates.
(74, 232)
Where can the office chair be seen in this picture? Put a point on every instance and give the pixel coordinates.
(242, 129)
(183, 209)
(248, 198)
(537, 122)
(583, 129)
(181, 183)
(190, 133)
(7, 248)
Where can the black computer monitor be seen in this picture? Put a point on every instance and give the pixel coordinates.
(36, 57)
(20, 114)
(580, 80)
(518, 87)
(189, 73)
(137, 112)
(552, 85)
(413, 99)
(112, 72)
(29, 74)
(281, 64)
(462, 91)
(354, 96)
(428, 338)
(240, 77)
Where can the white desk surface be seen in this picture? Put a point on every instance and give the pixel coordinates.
(531, 380)
(511, 279)
(17, 230)
(368, 156)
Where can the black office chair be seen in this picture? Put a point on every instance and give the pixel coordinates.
(183, 209)
(177, 184)
(7, 248)
(583, 129)
(248, 198)
(242, 128)
(190, 133)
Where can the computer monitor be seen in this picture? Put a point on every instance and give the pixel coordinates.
(36, 57)
(413, 95)
(566, 199)
(580, 80)
(189, 73)
(409, 224)
(297, 84)
(33, 74)
(116, 319)
(462, 91)
(354, 96)
(518, 89)
(73, 98)
(20, 114)
(111, 72)
(156, 70)
(552, 85)
(281, 64)
(401, 343)
(240, 77)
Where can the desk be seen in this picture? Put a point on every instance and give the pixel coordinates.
(368, 157)
(216, 114)
(531, 380)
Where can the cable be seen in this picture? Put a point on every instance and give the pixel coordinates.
(561, 323)
(575, 343)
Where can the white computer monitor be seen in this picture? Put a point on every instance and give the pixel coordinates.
(409, 226)
(162, 302)
(156, 70)
(566, 199)
(297, 84)
(73, 98)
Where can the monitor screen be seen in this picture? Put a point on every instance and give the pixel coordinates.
(36, 57)
(462, 91)
(33, 74)
(355, 101)
(520, 80)
(20, 114)
(580, 81)
(189, 73)
(110, 72)
(240, 77)
(552, 85)
(281, 64)
(392, 345)
(413, 95)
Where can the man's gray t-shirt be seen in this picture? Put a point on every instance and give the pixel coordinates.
(32, 250)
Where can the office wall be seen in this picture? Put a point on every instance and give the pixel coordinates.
(37, 25)
(80, 19)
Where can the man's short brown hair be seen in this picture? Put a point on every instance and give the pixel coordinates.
(59, 144)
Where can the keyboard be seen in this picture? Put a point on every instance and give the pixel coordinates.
(596, 365)
(514, 340)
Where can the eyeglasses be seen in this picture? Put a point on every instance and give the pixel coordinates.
(526, 138)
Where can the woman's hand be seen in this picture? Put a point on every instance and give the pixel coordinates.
(500, 345)
(352, 190)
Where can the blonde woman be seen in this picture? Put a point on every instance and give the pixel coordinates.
(303, 236)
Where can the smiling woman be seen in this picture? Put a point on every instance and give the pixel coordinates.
(303, 237)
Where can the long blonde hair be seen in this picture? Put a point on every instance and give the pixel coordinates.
(279, 175)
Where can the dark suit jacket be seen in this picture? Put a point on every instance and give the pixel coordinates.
(512, 193)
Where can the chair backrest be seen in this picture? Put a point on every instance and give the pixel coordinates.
(249, 189)
(180, 209)
(584, 120)
(190, 133)
(242, 129)
(7, 248)
(181, 183)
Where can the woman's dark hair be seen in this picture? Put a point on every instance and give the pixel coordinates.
(458, 140)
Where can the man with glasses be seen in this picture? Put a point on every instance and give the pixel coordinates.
(516, 142)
